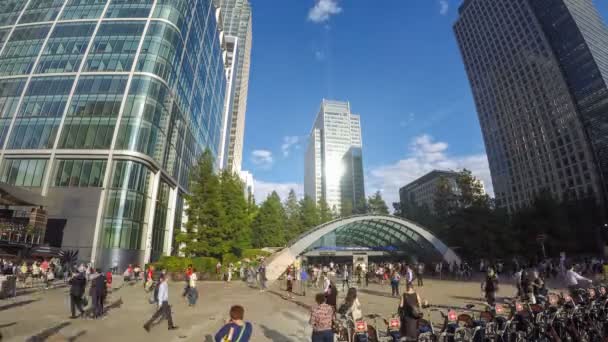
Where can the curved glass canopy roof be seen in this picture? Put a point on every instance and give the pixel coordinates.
(388, 234)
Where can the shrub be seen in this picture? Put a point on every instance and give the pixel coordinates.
(253, 254)
(173, 263)
(229, 258)
(204, 264)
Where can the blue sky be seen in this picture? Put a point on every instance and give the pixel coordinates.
(398, 64)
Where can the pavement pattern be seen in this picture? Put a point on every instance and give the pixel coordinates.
(44, 315)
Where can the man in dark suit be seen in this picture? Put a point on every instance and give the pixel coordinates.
(77, 284)
(98, 293)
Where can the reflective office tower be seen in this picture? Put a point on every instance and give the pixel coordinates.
(539, 73)
(334, 164)
(236, 19)
(104, 108)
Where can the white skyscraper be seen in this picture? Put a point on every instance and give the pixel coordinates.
(236, 20)
(333, 166)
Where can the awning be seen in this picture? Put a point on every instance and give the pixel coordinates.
(14, 195)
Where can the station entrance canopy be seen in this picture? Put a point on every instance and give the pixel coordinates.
(388, 234)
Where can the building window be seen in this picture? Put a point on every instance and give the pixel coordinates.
(80, 173)
(125, 213)
(23, 172)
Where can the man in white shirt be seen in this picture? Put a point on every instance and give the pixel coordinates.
(163, 305)
(573, 278)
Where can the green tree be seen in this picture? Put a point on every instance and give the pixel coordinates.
(207, 233)
(268, 227)
(325, 213)
(293, 215)
(235, 206)
(309, 212)
(471, 190)
(376, 205)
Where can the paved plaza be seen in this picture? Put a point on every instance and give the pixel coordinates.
(43, 315)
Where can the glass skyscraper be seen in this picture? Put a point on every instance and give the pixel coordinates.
(236, 22)
(539, 74)
(104, 107)
(334, 161)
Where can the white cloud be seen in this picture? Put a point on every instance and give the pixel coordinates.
(425, 155)
(323, 10)
(262, 189)
(289, 142)
(262, 158)
(444, 6)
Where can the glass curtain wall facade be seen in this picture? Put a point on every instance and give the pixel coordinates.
(104, 107)
(539, 72)
(334, 163)
(236, 22)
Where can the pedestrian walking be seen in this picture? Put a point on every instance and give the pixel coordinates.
(409, 275)
(97, 292)
(490, 287)
(345, 276)
(77, 285)
(395, 278)
(303, 280)
(192, 290)
(164, 309)
(262, 275)
(290, 283)
(321, 318)
(410, 313)
(236, 330)
(419, 273)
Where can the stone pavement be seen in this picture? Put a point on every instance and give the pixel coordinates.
(43, 316)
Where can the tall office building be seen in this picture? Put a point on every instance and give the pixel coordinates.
(539, 72)
(105, 106)
(236, 22)
(334, 163)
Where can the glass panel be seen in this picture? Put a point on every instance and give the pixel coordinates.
(79, 173)
(125, 217)
(39, 115)
(22, 49)
(10, 91)
(91, 117)
(10, 10)
(114, 46)
(83, 9)
(129, 9)
(161, 52)
(176, 11)
(65, 48)
(23, 172)
(41, 10)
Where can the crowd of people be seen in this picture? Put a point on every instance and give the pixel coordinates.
(90, 285)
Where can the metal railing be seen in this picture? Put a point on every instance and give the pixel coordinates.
(20, 233)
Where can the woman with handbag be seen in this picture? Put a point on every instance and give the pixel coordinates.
(409, 312)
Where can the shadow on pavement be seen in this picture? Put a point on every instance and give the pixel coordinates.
(7, 325)
(274, 335)
(470, 299)
(17, 304)
(45, 334)
(377, 293)
(209, 338)
(75, 337)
